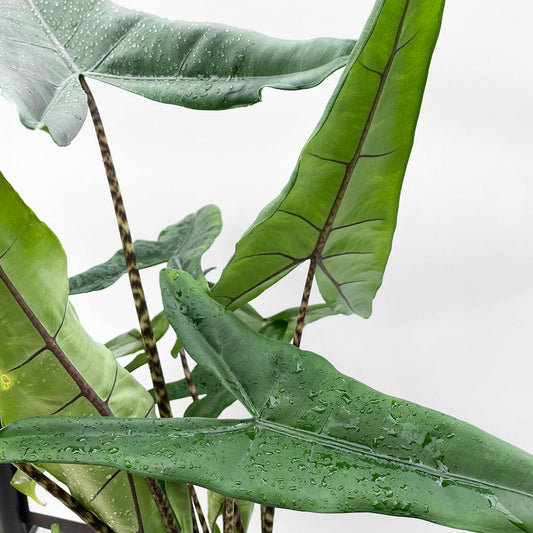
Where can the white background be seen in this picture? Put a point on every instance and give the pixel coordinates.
(451, 327)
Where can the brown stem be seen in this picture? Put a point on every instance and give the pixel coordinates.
(300, 321)
(239, 526)
(193, 515)
(194, 395)
(188, 375)
(169, 520)
(198, 507)
(267, 519)
(145, 323)
(136, 503)
(64, 497)
(229, 514)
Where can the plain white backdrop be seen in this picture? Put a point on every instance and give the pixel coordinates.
(451, 327)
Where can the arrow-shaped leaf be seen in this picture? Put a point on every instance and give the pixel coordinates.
(316, 440)
(339, 208)
(33, 382)
(45, 46)
(181, 244)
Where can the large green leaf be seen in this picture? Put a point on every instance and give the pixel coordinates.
(182, 244)
(339, 208)
(45, 46)
(33, 382)
(316, 440)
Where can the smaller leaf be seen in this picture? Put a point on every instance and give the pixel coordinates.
(180, 501)
(181, 244)
(214, 510)
(204, 381)
(211, 405)
(140, 360)
(25, 485)
(290, 316)
(275, 330)
(54, 528)
(131, 342)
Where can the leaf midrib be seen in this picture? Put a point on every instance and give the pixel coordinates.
(358, 449)
(214, 80)
(238, 426)
(60, 49)
(323, 237)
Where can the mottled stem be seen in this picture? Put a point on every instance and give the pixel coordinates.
(239, 525)
(228, 514)
(267, 519)
(64, 497)
(188, 375)
(300, 321)
(196, 503)
(145, 323)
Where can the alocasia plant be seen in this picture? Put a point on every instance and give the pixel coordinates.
(314, 439)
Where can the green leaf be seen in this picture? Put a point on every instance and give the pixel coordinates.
(181, 244)
(339, 208)
(280, 327)
(33, 382)
(25, 485)
(212, 405)
(204, 381)
(45, 46)
(289, 317)
(214, 510)
(131, 342)
(316, 440)
(180, 501)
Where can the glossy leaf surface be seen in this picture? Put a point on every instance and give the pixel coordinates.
(182, 245)
(339, 208)
(45, 46)
(316, 440)
(32, 381)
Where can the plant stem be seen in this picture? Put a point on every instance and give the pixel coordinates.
(64, 497)
(229, 514)
(300, 321)
(196, 503)
(194, 395)
(239, 526)
(188, 376)
(136, 503)
(145, 323)
(267, 519)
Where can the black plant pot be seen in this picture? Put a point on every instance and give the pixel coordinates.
(14, 512)
(15, 516)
